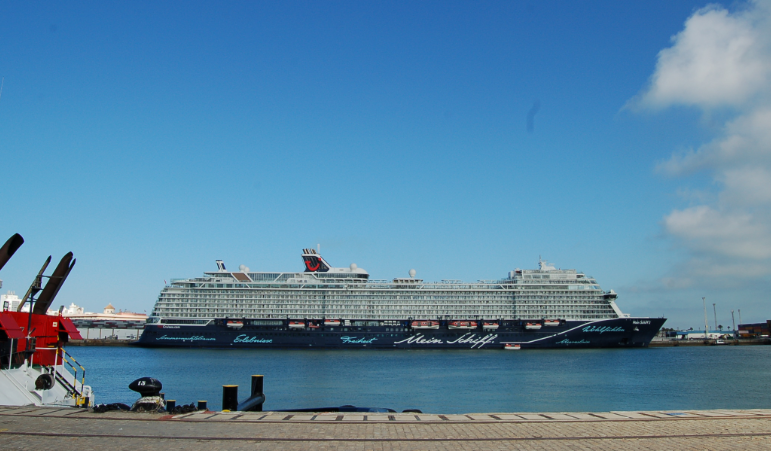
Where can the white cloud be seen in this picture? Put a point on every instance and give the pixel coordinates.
(746, 187)
(722, 233)
(718, 59)
(746, 140)
(721, 59)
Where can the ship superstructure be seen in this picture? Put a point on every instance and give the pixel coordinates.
(323, 293)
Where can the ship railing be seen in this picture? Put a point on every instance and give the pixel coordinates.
(70, 380)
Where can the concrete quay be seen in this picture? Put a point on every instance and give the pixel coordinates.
(35, 428)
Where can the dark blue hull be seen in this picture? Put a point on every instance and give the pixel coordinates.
(608, 333)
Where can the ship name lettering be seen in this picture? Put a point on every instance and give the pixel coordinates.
(357, 340)
(421, 340)
(183, 339)
(475, 341)
(243, 338)
(603, 329)
(568, 342)
(641, 322)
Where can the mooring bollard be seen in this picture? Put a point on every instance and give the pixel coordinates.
(256, 399)
(230, 397)
(257, 390)
(202, 405)
(171, 404)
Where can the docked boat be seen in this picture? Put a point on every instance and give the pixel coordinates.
(35, 369)
(323, 306)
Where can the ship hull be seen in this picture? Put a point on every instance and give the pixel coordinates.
(607, 333)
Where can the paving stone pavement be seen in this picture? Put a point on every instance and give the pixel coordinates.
(34, 428)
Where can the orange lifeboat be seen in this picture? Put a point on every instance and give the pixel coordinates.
(462, 325)
(425, 324)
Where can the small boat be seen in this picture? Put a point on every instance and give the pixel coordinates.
(532, 326)
(313, 325)
(490, 326)
(296, 324)
(332, 322)
(235, 324)
(551, 322)
(512, 346)
(425, 324)
(462, 325)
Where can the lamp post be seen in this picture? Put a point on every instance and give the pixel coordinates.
(706, 327)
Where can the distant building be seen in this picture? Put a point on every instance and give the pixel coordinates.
(754, 330)
(109, 323)
(76, 313)
(700, 335)
(10, 301)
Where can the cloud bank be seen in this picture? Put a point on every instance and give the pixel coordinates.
(721, 61)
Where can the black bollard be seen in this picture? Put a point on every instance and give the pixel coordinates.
(257, 390)
(170, 405)
(256, 399)
(202, 405)
(230, 397)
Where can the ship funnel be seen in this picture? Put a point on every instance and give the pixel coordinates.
(54, 284)
(221, 265)
(9, 248)
(314, 262)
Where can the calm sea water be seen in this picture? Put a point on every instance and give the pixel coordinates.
(451, 381)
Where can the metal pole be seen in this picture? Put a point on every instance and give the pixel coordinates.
(733, 321)
(706, 327)
(714, 312)
(740, 317)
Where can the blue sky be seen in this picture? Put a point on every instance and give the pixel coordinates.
(151, 138)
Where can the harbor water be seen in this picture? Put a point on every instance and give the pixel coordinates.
(452, 381)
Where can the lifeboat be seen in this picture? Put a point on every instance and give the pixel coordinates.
(490, 326)
(332, 322)
(462, 325)
(313, 325)
(532, 326)
(235, 324)
(296, 324)
(551, 322)
(425, 324)
(512, 346)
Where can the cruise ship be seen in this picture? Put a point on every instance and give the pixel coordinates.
(327, 307)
